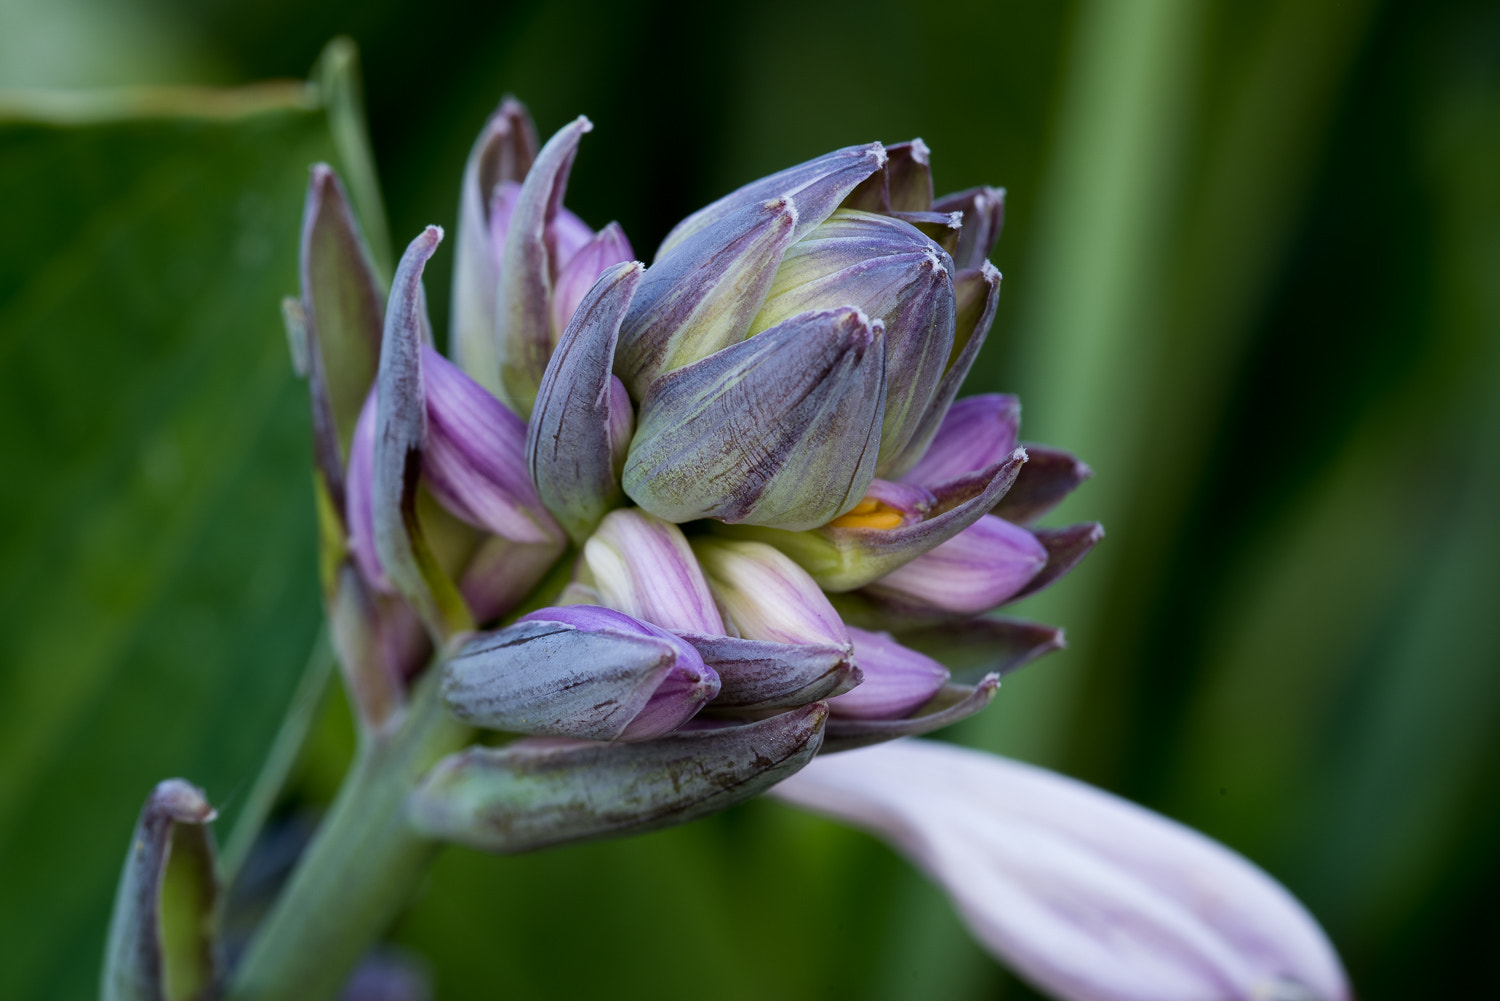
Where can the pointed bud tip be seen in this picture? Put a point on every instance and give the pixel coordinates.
(920, 151)
(183, 802)
(876, 151)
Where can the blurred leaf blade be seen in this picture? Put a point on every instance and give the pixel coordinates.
(158, 591)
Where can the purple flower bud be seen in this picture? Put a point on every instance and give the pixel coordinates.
(540, 793)
(499, 160)
(817, 187)
(581, 427)
(534, 249)
(897, 680)
(765, 596)
(984, 217)
(978, 431)
(579, 671)
(975, 571)
(1088, 896)
(582, 268)
(643, 566)
(701, 296)
(171, 834)
(894, 274)
(778, 430)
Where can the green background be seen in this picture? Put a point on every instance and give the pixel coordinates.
(1252, 272)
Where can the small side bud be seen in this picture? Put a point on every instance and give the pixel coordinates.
(161, 942)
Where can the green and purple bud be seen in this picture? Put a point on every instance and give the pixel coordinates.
(539, 793)
(161, 935)
(578, 671)
(524, 261)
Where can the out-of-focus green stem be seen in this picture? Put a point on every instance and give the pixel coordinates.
(360, 869)
(282, 756)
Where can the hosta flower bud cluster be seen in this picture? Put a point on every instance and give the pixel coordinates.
(751, 445)
(676, 528)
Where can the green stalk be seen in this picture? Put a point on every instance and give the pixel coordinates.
(359, 871)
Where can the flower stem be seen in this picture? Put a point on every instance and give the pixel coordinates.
(360, 869)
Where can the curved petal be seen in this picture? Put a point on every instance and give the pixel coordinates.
(1090, 897)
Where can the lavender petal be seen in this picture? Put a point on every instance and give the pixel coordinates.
(977, 431)
(897, 680)
(1086, 895)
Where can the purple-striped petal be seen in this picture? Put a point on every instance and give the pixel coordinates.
(1049, 476)
(476, 457)
(523, 303)
(895, 275)
(401, 438)
(500, 157)
(583, 421)
(643, 566)
(580, 671)
(778, 430)
(976, 570)
(817, 186)
(897, 679)
(904, 184)
(765, 596)
(539, 793)
(702, 296)
(1086, 895)
(599, 253)
(978, 431)
(843, 557)
(984, 217)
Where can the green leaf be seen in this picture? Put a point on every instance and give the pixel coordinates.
(157, 579)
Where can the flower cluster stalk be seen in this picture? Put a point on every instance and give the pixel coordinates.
(361, 867)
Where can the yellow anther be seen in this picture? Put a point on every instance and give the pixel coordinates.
(867, 506)
(869, 513)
